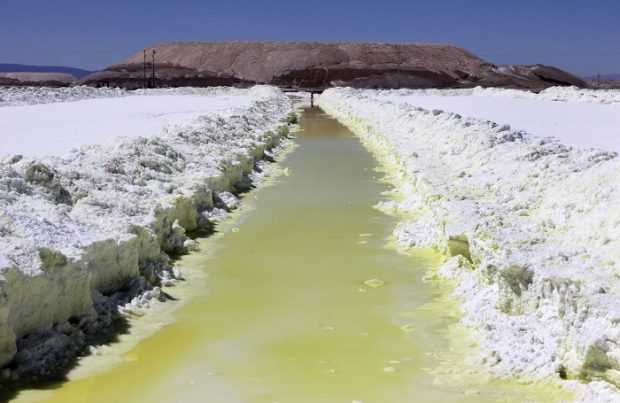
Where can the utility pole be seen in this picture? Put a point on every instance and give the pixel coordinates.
(153, 68)
(144, 71)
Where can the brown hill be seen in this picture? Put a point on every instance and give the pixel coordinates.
(320, 65)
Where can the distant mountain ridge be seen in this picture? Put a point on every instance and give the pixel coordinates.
(615, 76)
(24, 68)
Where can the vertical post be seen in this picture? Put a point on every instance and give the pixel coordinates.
(144, 71)
(153, 68)
(311, 99)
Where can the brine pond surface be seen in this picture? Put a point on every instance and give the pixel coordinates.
(299, 298)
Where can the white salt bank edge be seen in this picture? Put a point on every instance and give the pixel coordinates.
(570, 115)
(76, 227)
(533, 228)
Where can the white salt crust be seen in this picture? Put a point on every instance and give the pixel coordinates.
(76, 226)
(533, 228)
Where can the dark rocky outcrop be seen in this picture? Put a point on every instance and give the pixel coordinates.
(363, 78)
(131, 76)
(307, 65)
(535, 76)
(4, 81)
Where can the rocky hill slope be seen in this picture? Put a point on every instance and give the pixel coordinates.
(322, 65)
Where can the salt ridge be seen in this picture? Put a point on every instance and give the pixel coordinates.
(76, 228)
(533, 228)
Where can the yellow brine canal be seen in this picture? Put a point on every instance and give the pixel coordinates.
(298, 298)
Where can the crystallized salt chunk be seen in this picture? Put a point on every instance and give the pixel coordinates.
(215, 214)
(191, 245)
(177, 273)
(4, 262)
(227, 200)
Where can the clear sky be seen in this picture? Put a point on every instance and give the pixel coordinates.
(580, 36)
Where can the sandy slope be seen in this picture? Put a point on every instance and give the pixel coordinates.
(262, 61)
(322, 64)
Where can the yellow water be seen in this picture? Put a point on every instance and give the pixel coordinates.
(303, 302)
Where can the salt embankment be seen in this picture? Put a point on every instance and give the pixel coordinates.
(90, 230)
(13, 96)
(61, 126)
(532, 227)
(577, 117)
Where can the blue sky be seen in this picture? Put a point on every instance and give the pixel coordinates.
(580, 36)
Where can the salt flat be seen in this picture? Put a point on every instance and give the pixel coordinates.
(56, 128)
(578, 124)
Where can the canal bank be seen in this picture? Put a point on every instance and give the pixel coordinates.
(298, 299)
